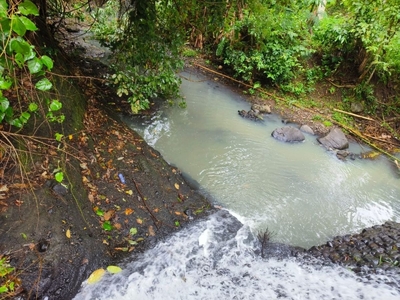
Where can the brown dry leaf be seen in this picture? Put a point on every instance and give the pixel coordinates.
(151, 231)
(91, 197)
(108, 215)
(156, 210)
(139, 221)
(18, 186)
(52, 152)
(83, 166)
(128, 211)
(178, 213)
(68, 234)
(176, 186)
(117, 226)
(85, 180)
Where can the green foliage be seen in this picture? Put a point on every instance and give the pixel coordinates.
(266, 41)
(335, 41)
(7, 283)
(17, 57)
(361, 33)
(146, 41)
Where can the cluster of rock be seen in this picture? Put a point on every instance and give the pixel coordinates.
(375, 247)
(256, 112)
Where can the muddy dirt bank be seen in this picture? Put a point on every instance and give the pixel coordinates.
(118, 196)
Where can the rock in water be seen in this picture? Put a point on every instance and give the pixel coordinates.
(288, 134)
(335, 139)
(307, 129)
(262, 108)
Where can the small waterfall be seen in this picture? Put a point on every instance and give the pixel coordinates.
(218, 258)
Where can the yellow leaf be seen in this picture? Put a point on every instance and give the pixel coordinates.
(128, 211)
(96, 276)
(70, 136)
(129, 192)
(177, 186)
(114, 269)
(68, 233)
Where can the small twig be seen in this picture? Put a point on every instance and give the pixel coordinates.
(349, 86)
(264, 239)
(155, 220)
(354, 115)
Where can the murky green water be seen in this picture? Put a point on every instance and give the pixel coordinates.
(299, 191)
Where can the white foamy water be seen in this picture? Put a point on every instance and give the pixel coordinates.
(217, 258)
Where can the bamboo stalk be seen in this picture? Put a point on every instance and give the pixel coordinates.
(354, 115)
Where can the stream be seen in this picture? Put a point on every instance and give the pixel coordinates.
(300, 192)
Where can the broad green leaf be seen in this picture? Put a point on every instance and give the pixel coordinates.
(3, 8)
(30, 54)
(17, 26)
(55, 105)
(33, 107)
(96, 276)
(29, 25)
(47, 61)
(9, 113)
(114, 269)
(5, 25)
(59, 136)
(133, 231)
(35, 65)
(18, 45)
(28, 8)
(4, 104)
(99, 212)
(2, 115)
(107, 226)
(19, 59)
(16, 123)
(59, 176)
(44, 84)
(3, 289)
(24, 117)
(5, 83)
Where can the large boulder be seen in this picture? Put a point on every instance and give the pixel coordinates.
(288, 134)
(335, 139)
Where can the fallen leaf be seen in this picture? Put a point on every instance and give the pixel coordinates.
(96, 276)
(117, 226)
(151, 231)
(177, 186)
(129, 192)
(178, 213)
(128, 211)
(91, 197)
(133, 231)
(139, 221)
(114, 269)
(109, 214)
(4, 188)
(68, 234)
